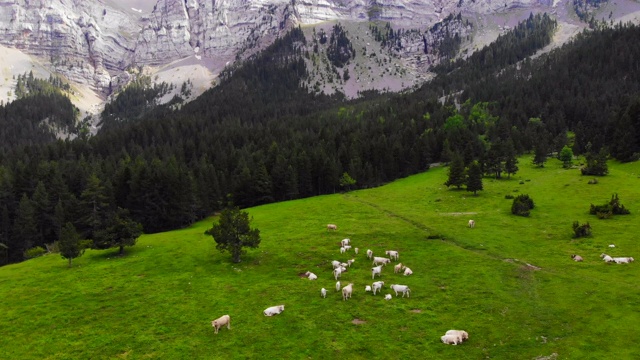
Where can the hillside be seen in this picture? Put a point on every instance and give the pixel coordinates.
(159, 299)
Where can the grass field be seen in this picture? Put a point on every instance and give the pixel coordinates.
(158, 300)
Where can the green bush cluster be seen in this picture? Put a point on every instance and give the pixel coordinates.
(522, 204)
(583, 230)
(605, 211)
(34, 252)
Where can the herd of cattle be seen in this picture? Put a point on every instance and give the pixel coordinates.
(452, 337)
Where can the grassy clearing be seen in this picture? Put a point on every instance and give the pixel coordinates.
(158, 301)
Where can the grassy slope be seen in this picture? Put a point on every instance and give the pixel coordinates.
(158, 300)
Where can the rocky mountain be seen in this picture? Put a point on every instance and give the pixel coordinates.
(95, 42)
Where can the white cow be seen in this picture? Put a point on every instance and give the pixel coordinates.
(623, 260)
(342, 250)
(344, 242)
(451, 339)
(380, 260)
(388, 297)
(311, 275)
(347, 247)
(397, 268)
(356, 250)
(221, 321)
(460, 333)
(376, 270)
(369, 254)
(337, 285)
(367, 288)
(335, 263)
(472, 223)
(576, 257)
(377, 286)
(606, 257)
(332, 227)
(404, 289)
(337, 272)
(347, 291)
(274, 310)
(393, 254)
(349, 262)
(407, 271)
(323, 292)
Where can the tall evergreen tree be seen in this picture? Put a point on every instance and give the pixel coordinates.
(233, 233)
(69, 243)
(120, 231)
(42, 209)
(456, 172)
(511, 159)
(474, 178)
(25, 229)
(95, 203)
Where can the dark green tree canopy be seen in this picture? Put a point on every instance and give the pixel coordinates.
(70, 244)
(232, 233)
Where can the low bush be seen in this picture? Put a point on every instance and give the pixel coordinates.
(581, 230)
(34, 252)
(605, 211)
(522, 204)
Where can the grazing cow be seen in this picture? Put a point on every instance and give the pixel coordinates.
(576, 257)
(377, 286)
(337, 285)
(221, 321)
(369, 254)
(376, 270)
(367, 288)
(380, 260)
(612, 245)
(344, 242)
(347, 291)
(274, 310)
(393, 254)
(311, 275)
(332, 227)
(335, 263)
(451, 339)
(404, 289)
(397, 268)
(472, 223)
(349, 262)
(388, 297)
(407, 271)
(347, 247)
(356, 250)
(323, 292)
(460, 333)
(337, 272)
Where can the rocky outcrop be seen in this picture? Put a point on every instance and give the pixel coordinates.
(93, 41)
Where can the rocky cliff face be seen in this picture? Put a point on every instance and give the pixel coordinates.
(93, 41)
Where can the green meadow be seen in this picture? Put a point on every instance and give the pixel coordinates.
(509, 282)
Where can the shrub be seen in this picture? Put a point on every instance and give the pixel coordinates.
(508, 196)
(583, 230)
(34, 252)
(605, 211)
(522, 204)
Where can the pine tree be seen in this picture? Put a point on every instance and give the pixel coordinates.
(25, 230)
(232, 233)
(456, 172)
(474, 178)
(70, 243)
(511, 160)
(120, 231)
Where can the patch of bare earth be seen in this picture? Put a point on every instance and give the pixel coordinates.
(357, 321)
(416, 311)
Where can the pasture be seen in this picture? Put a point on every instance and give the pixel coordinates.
(509, 282)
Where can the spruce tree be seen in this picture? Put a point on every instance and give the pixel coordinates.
(232, 233)
(456, 172)
(69, 243)
(474, 178)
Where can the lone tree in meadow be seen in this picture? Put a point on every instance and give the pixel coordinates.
(70, 244)
(456, 172)
(121, 231)
(232, 233)
(474, 178)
